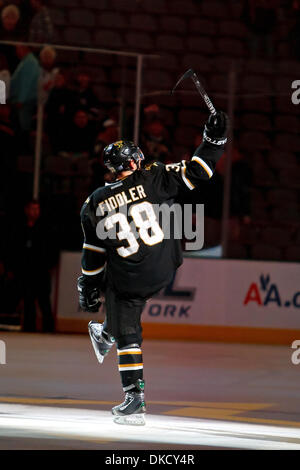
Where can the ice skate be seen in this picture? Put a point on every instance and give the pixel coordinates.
(101, 345)
(132, 410)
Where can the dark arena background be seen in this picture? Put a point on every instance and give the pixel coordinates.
(221, 340)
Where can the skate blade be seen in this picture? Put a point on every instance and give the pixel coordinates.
(96, 350)
(130, 420)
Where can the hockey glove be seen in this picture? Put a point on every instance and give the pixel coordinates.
(89, 296)
(216, 127)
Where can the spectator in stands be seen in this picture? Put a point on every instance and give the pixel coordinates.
(261, 18)
(10, 16)
(48, 72)
(8, 158)
(58, 110)
(41, 27)
(155, 141)
(109, 133)
(23, 90)
(5, 74)
(85, 96)
(80, 135)
(10, 31)
(151, 112)
(32, 253)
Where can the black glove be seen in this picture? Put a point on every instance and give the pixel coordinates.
(216, 128)
(89, 296)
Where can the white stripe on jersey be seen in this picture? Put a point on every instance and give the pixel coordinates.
(94, 248)
(93, 272)
(130, 351)
(203, 164)
(130, 368)
(186, 181)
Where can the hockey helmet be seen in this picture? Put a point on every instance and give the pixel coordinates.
(116, 156)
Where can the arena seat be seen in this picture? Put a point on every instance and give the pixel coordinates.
(289, 177)
(192, 117)
(249, 234)
(288, 213)
(202, 26)
(183, 8)
(282, 197)
(259, 66)
(282, 159)
(256, 122)
(114, 20)
(105, 94)
(94, 4)
(139, 41)
(58, 16)
(213, 9)
(173, 24)
(259, 212)
(275, 236)
(186, 135)
(124, 5)
(198, 62)
(166, 61)
(81, 17)
(233, 29)
(230, 46)
(255, 140)
(297, 237)
(285, 105)
(256, 83)
(144, 22)
(200, 44)
(262, 251)
(58, 165)
(158, 79)
(116, 76)
(167, 42)
(70, 3)
(108, 38)
(98, 60)
(287, 142)
(260, 104)
(78, 36)
(236, 250)
(283, 84)
(285, 66)
(287, 123)
(292, 253)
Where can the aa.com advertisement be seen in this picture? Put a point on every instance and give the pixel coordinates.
(206, 292)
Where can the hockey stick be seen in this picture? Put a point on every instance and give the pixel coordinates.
(191, 74)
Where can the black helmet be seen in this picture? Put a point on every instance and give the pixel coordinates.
(116, 156)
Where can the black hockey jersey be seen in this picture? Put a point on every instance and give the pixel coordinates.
(123, 237)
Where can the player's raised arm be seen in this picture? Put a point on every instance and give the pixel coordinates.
(170, 178)
(92, 262)
(203, 162)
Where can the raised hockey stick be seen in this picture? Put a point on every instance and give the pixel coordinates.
(191, 74)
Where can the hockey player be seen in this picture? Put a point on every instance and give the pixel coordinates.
(131, 267)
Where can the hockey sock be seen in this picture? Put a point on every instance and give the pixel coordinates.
(130, 366)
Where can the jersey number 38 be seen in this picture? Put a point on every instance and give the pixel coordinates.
(145, 221)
